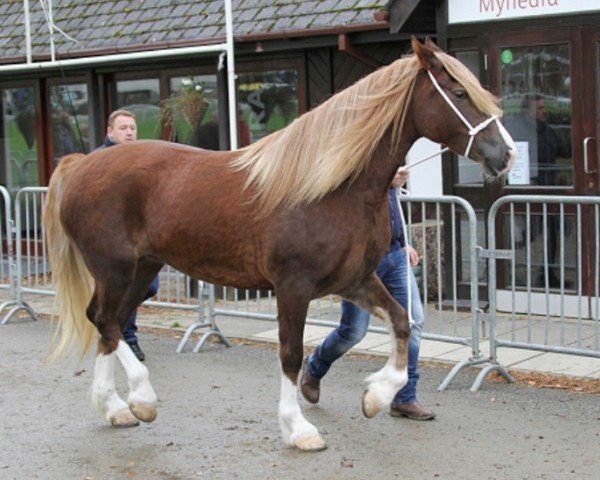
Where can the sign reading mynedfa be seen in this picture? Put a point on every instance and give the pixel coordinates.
(464, 11)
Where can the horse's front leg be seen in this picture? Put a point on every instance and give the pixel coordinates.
(373, 297)
(292, 306)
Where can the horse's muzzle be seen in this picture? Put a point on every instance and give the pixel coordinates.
(498, 159)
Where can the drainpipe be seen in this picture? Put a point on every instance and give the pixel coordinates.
(27, 30)
(51, 28)
(233, 137)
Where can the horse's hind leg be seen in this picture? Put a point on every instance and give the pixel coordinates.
(385, 383)
(104, 395)
(113, 301)
(292, 306)
(142, 398)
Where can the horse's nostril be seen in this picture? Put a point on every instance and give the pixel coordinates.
(509, 158)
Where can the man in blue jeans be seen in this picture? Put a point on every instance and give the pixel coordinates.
(392, 271)
(122, 128)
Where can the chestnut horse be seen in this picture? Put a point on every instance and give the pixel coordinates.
(303, 211)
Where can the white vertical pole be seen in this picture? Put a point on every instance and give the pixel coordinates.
(27, 31)
(51, 28)
(233, 138)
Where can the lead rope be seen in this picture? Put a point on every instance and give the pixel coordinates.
(411, 322)
(414, 164)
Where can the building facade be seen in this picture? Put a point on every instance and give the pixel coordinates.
(290, 55)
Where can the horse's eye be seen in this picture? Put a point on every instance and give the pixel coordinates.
(460, 94)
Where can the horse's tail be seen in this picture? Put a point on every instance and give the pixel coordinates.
(73, 281)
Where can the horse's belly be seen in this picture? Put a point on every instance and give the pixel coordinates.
(234, 279)
(240, 274)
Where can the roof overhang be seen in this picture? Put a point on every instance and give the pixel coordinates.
(416, 15)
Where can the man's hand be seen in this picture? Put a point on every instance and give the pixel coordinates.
(400, 178)
(413, 256)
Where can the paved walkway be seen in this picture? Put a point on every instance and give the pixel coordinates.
(372, 344)
(217, 420)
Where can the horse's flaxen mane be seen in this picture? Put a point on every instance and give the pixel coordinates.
(334, 142)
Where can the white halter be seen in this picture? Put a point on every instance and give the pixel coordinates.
(472, 130)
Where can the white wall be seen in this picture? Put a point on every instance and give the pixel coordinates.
(425, 178)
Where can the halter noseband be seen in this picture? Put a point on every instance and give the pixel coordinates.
(472, 130)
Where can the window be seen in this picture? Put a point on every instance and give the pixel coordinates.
(69, 119)
(195, 111)
(142, 98)
(268, 101)
(18, 152)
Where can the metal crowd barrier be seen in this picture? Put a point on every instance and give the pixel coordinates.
(6, 245)
(452, 218)
(11, 263)
(545, 236)
(443, 321)
(25, 268)
(33, 268)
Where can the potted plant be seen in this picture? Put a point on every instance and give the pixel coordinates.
(185, 108)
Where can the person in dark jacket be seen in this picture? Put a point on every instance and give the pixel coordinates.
(392, 271)
(122, 128)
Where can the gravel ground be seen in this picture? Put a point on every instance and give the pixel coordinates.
(217, 419)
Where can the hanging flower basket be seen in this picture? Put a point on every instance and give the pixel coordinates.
(188, 104)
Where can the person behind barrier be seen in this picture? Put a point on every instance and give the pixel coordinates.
(354, 322)
(122, 128)
(545, 143)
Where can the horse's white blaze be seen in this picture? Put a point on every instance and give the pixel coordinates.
(296, 430)
(140, 389)
(103, 393)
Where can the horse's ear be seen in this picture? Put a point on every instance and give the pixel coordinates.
(432, 45)
(426, 55)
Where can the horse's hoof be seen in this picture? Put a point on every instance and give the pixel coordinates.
(145, 413)
(312, 443)
(370, 405)
(124, 419)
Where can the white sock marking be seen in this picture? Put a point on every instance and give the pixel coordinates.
(140, 389)
(385, 383)
(293, 425)
(103, 393)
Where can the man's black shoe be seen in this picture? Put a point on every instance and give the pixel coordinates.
(137, 351)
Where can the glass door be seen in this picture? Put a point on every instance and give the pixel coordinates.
(547, 99)
(591, 154)
(591, 122)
